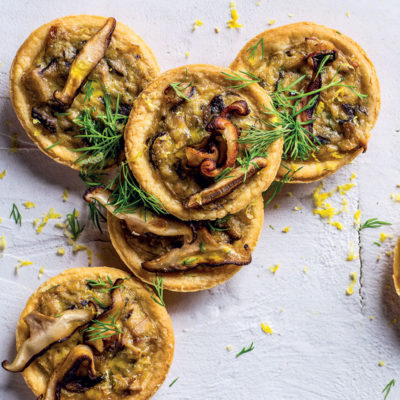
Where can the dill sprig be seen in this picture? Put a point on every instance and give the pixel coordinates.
(101, 304)
(16, 215)
(74, 224)
(158, 284)
(53, 145)
(217, 225)
(88, 90)
(103, 133)
(224, 174)
(373, 223)
(253, 50)
(99, 331)
(100, 283)
(96, 214)
(387, 388)
(179, 87)
(247, 80)
(127, 196)
(173, 381)
(245, 350)
(91, 179)
(189, 260)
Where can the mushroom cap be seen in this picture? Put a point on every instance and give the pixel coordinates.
(160, 360)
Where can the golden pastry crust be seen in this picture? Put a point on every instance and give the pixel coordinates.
(161, 360)
(199, 278)
(143, 126)
(284, 38)
(122, 38)
(396, 267)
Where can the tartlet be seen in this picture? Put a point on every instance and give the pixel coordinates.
(183, 142)
(74, 68)
(63, 351)
(338, 120)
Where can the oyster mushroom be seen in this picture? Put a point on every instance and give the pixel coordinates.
(195, 157)
(87, 59)
(76, 374)
(46, 331)
(238, 108)
(225, 186)
(140, 222)
(48, 122)
(203, 251)
(109, 338)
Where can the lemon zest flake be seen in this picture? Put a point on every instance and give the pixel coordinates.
(3, 174)
(381, 363)
(41, 271)
(187, 54)
(233, 22)
(271, 22)
(14, 143)
(197, 23)
(305, 269)
(60, 251)
(350, 288)
(383, 237)
(65, 195)
(286, 229)
(3, 243)
(45, 219)
(266, 329)
(351, 255)
(217, 30)
(357, 217)
(22, 263)
(274, 268)
(29, 204)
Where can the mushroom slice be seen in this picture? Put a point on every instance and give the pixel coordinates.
(46, 331)
(230, 134)
(102, 326)
(87, 59)
(196, 157)
(139, 222)
(203, 251)
(76, 374)
(225, 186)
(172, 97)
(237, 108)
(48, 122)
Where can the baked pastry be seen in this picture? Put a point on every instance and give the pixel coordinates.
(93, 333)
(186, 144)
(188, 255)
(73, 83)
(325, 95)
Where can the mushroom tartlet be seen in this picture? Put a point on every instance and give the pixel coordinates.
(93, 333)
(325, 94)
(73, 83)
(188, 255)
(186, 142)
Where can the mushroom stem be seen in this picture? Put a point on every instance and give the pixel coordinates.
(87, 59)
(225, 186)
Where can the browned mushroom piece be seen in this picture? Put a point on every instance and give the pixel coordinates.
(172, 97)
(225, 186)
(76, 373)
(237, 108)
(203, 251)
(195, 157)
(139, 221)
(110, 338)
(46, 331)
(87, 59)
(45, 119)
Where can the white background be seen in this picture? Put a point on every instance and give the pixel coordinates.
(324, 345)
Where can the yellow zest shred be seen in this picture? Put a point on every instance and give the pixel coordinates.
(297, 208)
(266, 328)
(3, 244)
(286, 229)
(290, 15)
(395, 197)
(217, 30)
(371, 317)
(197, 23)
(357, 217)
(350, 288)
(351, 255)
(36, 221)
(60, 251)
(271, 22)
(389, 253)
(337, 225)
(45, 219)
(258, 3)
(348, 14)
(22, 263)
(383, 237)
(381, 363)
(65, 195)
(60, 225)
(29, 204)
(76, 247)
(336, 154)
(41, 271)
(305, 269)
(187, 54)
(233, 22)
(274, 268)
(1, 220)
(14, 143)
(320, 108)
(3, 174)
(229, 347)
(276, 206)
(289, 194)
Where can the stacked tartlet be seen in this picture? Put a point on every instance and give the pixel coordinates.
(184, 200)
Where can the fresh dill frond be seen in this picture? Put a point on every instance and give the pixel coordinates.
(96, 214)
(373, 223)
(158, 284)
(224, 174)
(99, 302)
(74, 224)
(253, 50)
(173, 381)
(53, 145)
(217, 225)
(189, 260)
(179, 87)
(245, 350)
(388, 387)
(247, 80)
(103, 330)
(103, 135)
(127, 196)
(102, 285)
(88, 90)
(202, 249)
(16, 215)
(91, 179)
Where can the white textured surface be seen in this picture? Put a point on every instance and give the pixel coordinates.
(324, 344)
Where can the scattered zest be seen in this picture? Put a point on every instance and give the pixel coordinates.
(244, 350)
(387, 388)
(16, 215)
(373, 223)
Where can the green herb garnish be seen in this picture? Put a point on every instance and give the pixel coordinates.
(99, 302)
(158, 284)
(100, 283)
(215, 225)
(16, 214)
(74, 224)
(173, 381)
(251, 78)
(253, 50)
(189, 260)
(224, 174)
(202, 250)
(387, 388)
(96, 214)
(378, 244)
(373, 223)
(99, 331)
(245, 350)
(88, 90)
(179, 87)
(53, 145)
